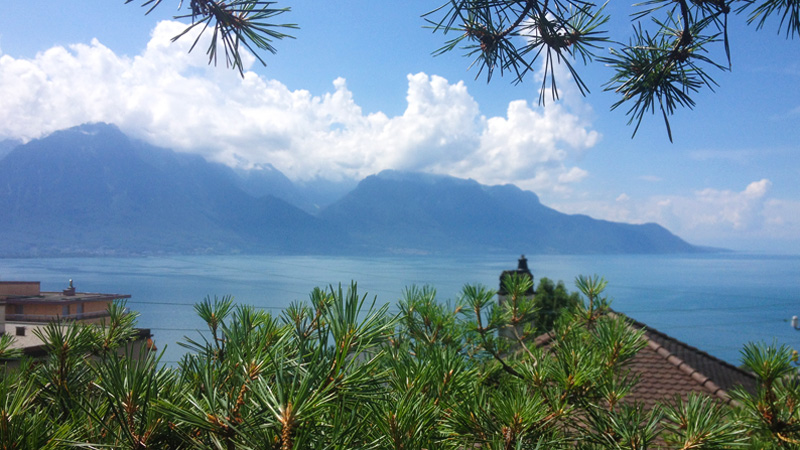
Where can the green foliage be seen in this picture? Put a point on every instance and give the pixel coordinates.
(592, 288)
(24, 421)
(772, 416)
(231, 23)
(6, 349)
(123, 407)
(653, 73)
(512, 35)
(65, 376)
(700, 422)
(519, 308)
(425, 319)
(340, 372)
(658, 70)
(551, 301)
(627, 427)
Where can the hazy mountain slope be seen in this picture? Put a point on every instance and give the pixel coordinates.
(310, 195)
(7, 145)
(412, 212)
(93, 190)
(90, 189)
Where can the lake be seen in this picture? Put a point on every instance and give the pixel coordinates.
(715, 302)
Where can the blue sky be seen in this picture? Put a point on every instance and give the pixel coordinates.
(358, 91)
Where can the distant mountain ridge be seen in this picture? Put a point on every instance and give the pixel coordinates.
(91, 190)
(7, 145)
(412, 212)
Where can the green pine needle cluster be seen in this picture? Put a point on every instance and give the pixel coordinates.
(341, 372)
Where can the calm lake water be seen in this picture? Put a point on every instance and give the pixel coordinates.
(714, 302)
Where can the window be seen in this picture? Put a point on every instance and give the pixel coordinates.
(65, 310)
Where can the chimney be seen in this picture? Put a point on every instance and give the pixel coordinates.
(70, 291)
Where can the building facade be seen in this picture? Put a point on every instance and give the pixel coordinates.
(23, 302)
(24, 307)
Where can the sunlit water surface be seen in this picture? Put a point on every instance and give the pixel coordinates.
(714, 302)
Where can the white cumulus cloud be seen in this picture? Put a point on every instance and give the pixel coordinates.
(172, 98)
(747, 219)
(737, 210)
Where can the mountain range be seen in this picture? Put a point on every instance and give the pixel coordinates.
(92, 190)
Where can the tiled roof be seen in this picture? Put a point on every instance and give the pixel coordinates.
(668, 367)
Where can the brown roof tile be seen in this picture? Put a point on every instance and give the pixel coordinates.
(668, 368)
(666, 358)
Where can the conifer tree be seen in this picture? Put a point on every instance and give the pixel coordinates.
(341, 372)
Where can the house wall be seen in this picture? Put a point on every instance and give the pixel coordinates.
(36, 309)
(56, 309)
(91, 307)
(19, 288)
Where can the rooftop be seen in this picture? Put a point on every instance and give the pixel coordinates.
(15, 292)
(54, 297)
(668, 367)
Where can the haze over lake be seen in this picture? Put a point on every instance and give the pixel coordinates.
(716, 302)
